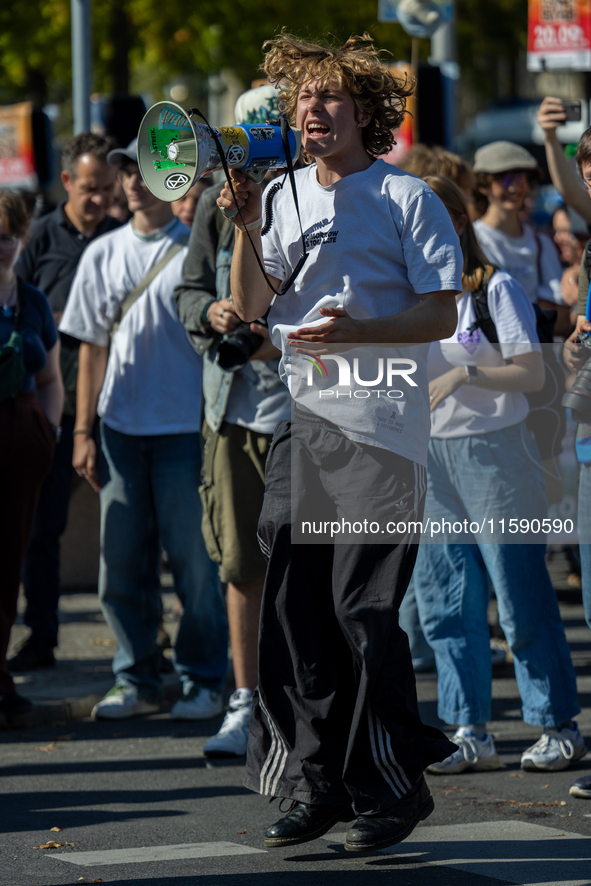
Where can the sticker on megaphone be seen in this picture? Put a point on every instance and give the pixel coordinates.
(174, 151)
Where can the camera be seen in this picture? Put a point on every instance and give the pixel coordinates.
(578, 399)
(236, 349)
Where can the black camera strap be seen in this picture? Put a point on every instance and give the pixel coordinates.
(290, 172)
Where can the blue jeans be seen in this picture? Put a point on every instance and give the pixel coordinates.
(150, 496)
(452, 583)
(584, 526)
(423, 657)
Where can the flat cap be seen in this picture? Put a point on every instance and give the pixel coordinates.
(503, 156)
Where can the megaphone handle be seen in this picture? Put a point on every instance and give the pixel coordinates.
(255, 175)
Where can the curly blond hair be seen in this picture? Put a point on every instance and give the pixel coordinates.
(356, 66)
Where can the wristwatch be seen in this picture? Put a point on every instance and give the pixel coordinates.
(471, 373)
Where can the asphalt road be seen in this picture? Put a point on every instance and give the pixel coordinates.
(144, 785)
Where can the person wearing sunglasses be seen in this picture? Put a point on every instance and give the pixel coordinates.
(505, 173)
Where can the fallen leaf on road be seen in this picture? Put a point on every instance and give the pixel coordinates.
(96, 880)
(543, 786)
(515, 775)
(56, 829)
(50, 845)
(555, 803)
(103, 641)
(529, 804)
(52, 746)
(240, 832)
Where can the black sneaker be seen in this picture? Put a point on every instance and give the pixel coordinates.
(13, 703)
(35, 652)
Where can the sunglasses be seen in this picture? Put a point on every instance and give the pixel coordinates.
(511, 178)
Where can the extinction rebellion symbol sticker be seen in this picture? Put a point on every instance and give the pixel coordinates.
(176, 180)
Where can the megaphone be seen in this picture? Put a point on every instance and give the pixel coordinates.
(174, 151)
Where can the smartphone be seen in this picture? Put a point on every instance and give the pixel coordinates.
(572, 109)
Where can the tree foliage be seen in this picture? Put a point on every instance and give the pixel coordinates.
(162, 40)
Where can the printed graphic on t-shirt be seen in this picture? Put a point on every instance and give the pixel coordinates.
(314, 236)
(470, 340)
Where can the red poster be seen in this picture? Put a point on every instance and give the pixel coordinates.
(559, 35)
(17, 163)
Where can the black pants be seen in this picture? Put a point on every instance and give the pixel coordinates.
(41, 569)
(335, 717)
(27, 442)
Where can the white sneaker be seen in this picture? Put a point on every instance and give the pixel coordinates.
(232, 738)
(197, 703)
(555, 749)
(122, 702)
(472, 754)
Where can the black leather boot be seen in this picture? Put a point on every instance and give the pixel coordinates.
(304, 822)
(371, 832)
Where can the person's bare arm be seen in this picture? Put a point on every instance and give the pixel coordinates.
(550, 116)
(50, 388)
(92, 366)
(250, 294)
(434, 318)
(525, 373)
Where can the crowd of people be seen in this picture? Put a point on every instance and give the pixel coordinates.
(121, 319)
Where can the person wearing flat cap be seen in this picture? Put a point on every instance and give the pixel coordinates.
(505, 173)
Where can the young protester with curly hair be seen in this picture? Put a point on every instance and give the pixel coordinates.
(335, 725)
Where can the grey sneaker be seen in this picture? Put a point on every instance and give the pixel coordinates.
(122, 702)
(197, 703)
(232, 738)
(472, 754)
(581, 788)
(555, 749)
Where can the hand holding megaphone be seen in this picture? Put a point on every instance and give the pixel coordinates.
(249, 195)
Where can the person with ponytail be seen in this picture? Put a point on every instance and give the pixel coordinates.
(484, 467)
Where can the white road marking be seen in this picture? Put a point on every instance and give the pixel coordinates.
(514, 851)
(156, 853)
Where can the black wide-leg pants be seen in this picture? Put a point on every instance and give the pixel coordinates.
(335, 718)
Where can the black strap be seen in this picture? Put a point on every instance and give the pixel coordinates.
(21, 300)
(484, 320)
(287, 151)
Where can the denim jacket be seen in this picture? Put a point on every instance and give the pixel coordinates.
(206, 277)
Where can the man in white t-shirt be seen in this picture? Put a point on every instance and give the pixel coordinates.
(145, 383)
(335, 724)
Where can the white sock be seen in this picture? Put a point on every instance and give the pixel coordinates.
(478, 730)
(243, 695)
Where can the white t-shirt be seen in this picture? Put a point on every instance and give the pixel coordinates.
(377, 240)
(533, 262)
(153, 381)
(472, 409)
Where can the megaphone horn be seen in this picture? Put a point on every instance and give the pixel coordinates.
(174, 151)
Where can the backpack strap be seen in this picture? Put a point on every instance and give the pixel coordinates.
(141, 287)
(484, 320)
(21, 300)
